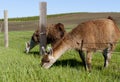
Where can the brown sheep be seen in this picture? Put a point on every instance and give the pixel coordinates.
(90, 36)
(54, 33)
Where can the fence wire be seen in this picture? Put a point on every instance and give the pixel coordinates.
(20, 25)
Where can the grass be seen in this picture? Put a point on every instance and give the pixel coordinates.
(16, 66)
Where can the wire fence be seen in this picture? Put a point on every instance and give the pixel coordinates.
(20, 25)
(70, 21)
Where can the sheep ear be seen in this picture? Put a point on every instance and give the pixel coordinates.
(27, 44)
(51, 51)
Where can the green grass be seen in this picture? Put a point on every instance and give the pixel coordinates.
(16, 66)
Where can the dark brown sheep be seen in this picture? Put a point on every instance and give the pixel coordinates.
(54, 33)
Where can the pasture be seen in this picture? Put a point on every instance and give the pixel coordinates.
(17, 66)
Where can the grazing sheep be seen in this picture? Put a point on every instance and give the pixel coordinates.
(90, 36)
(54, 33)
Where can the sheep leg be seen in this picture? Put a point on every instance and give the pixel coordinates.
(107, 55)
(82, 56)
(89, 60)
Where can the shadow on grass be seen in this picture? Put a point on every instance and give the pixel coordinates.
(34, 53)
(98, 67)
(68, 62)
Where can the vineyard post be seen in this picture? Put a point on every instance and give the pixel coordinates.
(42, 25)
(6, 28)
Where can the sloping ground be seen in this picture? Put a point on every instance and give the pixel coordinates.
(69, 20)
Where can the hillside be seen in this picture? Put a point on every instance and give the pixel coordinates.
(70, 20)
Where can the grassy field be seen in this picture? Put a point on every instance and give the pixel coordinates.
(16, 66)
